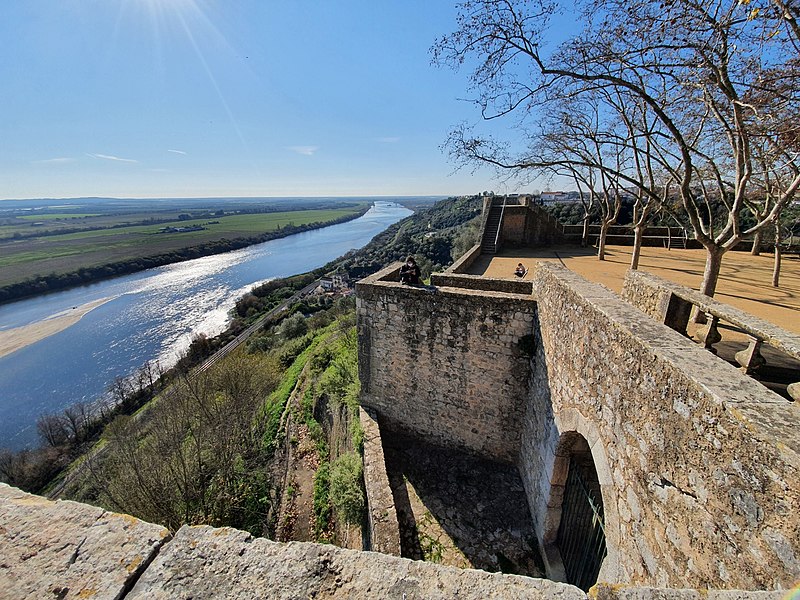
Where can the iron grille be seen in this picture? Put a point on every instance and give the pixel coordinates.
(581, 534)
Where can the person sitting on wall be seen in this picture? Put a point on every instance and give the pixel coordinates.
(520, 271)
(409, 272)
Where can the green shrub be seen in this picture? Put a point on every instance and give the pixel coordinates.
(322, 502)
(346, 489)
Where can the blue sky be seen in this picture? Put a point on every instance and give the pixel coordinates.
(183, 98)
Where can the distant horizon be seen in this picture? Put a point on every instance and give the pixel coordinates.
(286, 197)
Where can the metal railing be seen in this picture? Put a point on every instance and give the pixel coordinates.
(500, 223)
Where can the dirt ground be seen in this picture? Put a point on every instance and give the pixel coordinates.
(745, 281)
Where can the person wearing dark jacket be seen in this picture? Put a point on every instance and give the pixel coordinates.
(409, 272)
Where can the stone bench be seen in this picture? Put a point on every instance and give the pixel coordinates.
(672, 304)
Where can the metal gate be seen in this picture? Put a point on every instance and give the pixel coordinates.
(581, 536)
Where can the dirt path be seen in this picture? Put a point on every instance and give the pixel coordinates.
(296, 518)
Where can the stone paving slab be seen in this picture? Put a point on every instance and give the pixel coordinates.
(203, 562)
(64, 550)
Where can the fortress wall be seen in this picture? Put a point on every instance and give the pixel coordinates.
(699, 465)
(384, 529)
(445, 362)
(514, 230)
(529, 226)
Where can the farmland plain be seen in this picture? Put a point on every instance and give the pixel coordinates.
(57, 240)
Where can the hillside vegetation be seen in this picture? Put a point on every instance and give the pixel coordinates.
(436, 237)
(222, 447)
(266, 440)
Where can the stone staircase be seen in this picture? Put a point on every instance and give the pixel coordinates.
(489, 240)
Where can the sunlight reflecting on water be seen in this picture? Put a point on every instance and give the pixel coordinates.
(154, 315)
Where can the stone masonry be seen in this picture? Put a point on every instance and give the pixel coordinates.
(66, 550)
(445, 362)
(697, 464)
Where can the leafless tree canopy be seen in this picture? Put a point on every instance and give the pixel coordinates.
(699, 98)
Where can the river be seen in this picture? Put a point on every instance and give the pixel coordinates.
(151, 315)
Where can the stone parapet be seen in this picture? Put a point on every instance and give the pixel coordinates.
(203, 562)
(655, 296)
(384, 529)
(478, 282)
(698, 464)
(463, 263)
(620, 592)
(69, 550)
(445, 362)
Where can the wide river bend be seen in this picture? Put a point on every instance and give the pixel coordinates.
(146, 316)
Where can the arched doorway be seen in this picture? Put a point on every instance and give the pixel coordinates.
(581, 538)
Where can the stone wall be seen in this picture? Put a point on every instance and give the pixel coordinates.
(670, 303)
(529, 226)
(698, 464)
(384, 529)
(464, 263)
(445, 362)
(478, 282)
(67, 550)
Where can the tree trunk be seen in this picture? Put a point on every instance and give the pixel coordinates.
(711, 273)
(585, 233)
(776, 269)
(601, 242)
(638, 233)
(756, 249)
(710, 276)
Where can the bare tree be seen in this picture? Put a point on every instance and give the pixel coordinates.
(77, 419)
(53, 430)
(701, 70)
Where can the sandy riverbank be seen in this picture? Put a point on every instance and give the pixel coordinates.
(17, 338)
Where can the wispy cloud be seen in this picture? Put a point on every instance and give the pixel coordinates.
(388, 140)
(304, 150)
(177, 151)
(53, 161)
(109, 157)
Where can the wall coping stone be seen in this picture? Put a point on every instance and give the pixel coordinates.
(381, 511)
(605, 591)
(62, 549)
(383, 280)
(478, 282)
(775, 336)
(465, 261)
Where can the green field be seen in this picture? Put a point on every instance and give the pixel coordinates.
(57, 216)
(28, 257)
